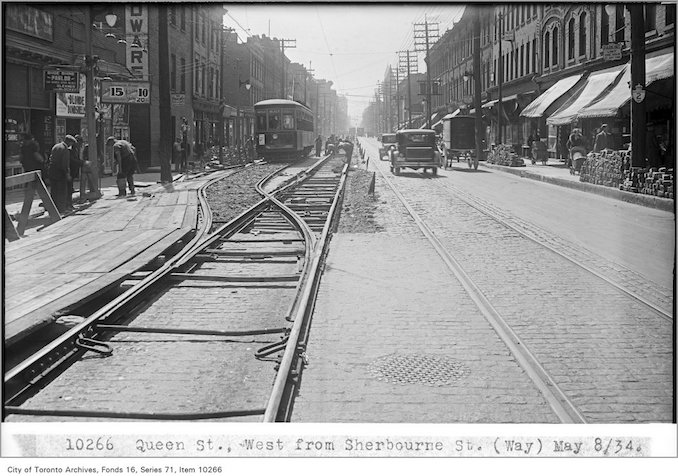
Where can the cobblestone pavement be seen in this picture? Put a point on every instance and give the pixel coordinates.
(610, 354)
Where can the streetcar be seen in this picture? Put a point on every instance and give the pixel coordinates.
(284, 129)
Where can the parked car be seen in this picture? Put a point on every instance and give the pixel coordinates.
(387, 140)
(415, 149)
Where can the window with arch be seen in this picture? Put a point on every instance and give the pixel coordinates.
(554, 41)
(547, 50)
(570, 39)
(582, 34)
(604, 27)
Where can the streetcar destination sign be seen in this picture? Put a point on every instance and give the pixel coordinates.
(62, 81)
(126, 92)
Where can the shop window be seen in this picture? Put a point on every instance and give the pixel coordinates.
(582, 34)
(570, 39)
(670, 14)
(604, 27)
(650, 17)
(183, 75)
(619, 23)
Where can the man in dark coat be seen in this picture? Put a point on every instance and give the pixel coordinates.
(30, 154)
(603, 139)
(125, 157)
(60, 173)
(318, 145)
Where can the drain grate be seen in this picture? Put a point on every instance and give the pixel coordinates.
(424, 369)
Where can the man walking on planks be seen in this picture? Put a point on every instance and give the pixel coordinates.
(125, 157)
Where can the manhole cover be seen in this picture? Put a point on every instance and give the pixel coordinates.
(424, 369)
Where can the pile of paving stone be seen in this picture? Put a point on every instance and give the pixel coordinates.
(604, 168)
(658, 182)
(503, 155)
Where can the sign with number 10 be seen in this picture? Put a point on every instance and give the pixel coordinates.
(130, 92)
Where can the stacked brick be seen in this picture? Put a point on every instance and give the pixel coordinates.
(604, 168)
(658, 182)
(612, 169)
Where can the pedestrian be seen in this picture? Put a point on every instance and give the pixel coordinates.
(31, 159)
(199, 152)
(603, 139)
(318, 145)
(87, 181)
(59, 173)
(249, 148)
(75, 164)
(176, 154)
(125, 156)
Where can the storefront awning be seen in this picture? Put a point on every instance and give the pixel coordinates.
(452, 114)
(659, 67)
(537, 107)
(597, 85)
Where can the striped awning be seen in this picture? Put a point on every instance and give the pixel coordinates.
(597, 85)
(537, 107)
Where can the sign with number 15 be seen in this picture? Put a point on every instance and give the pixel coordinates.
(130, 92)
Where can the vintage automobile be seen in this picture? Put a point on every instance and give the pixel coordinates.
(415, 149)
(387, 141)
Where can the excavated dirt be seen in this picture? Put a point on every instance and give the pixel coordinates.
(359, 205)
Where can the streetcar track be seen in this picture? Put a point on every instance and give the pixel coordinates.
(543, 237)
(270, 232)
(562, 406)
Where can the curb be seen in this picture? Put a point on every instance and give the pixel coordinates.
(650, 201)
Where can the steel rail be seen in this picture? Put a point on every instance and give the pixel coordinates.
(559, 402)
(25, 375)
(28, 373)
(658, 310)
(302, 315)
(63, 347)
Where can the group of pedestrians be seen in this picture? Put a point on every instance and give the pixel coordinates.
(68, 160)
(333, 144)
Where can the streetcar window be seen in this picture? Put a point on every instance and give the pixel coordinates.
(288, 121)
(261, 121)
(274, 120)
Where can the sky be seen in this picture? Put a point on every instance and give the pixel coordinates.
(350, 45)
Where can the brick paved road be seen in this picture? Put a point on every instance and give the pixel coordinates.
(611, 355)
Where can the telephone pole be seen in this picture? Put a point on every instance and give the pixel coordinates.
(426, 34)
(284, 43)
(408, 64)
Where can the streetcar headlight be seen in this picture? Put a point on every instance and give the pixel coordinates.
(275, 136)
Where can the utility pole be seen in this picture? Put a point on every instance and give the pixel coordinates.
(165, 107)
(397, 97)
(424, 35)
(284, 43)
(409, 65)
(500, 108)
(476, 82)
(89, 106)
(638, 119)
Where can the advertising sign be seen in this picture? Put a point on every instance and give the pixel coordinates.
(126, 92)
(136, 35)
(612, 51)
(62, 81)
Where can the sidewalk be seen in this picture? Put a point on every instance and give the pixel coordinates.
(557, 173)
(144, 182)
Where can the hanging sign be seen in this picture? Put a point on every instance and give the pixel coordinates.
(126, 92)
(62, 81)
(612, 51)
(638, 93)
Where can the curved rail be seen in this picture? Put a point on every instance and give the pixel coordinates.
(43, 366)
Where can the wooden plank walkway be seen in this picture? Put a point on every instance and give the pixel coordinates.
(86, 254)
